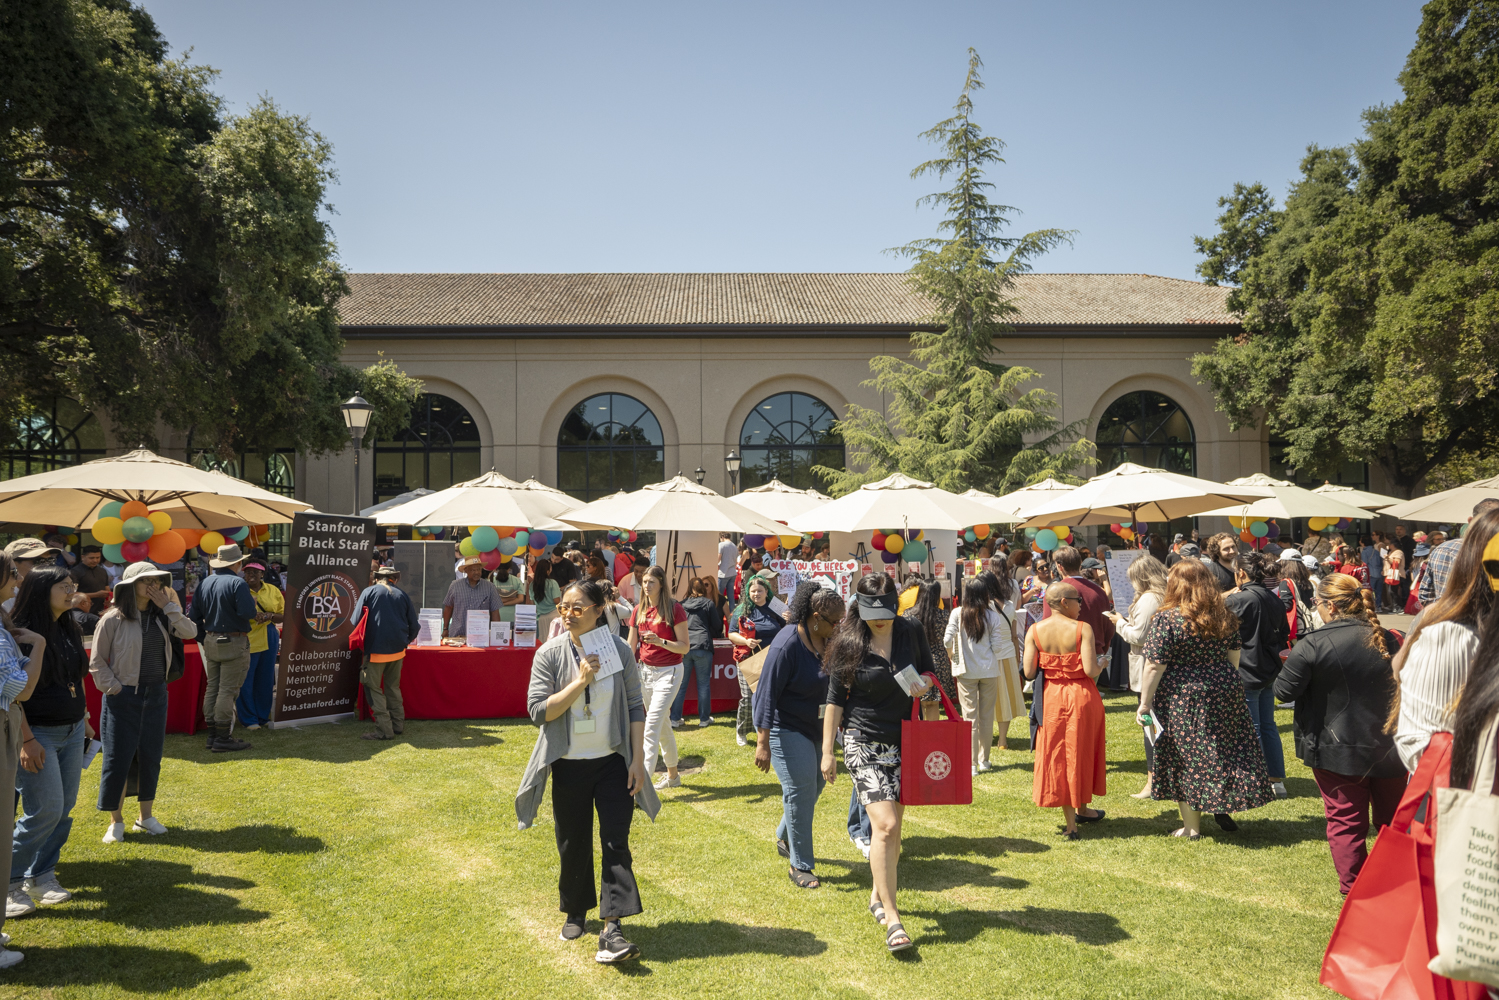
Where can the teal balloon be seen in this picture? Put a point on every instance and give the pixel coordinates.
(138, 529)
(1125, 524)
(969, 536)
(507, 546)
(913, 552)
(113, 554)
(111, 509)
(486, 539)
(238, 534)
(1046, 539)
(1030, 533)
(1259, 529)
(522, 538)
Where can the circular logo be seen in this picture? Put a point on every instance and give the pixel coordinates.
(938, 765)
(324, 606)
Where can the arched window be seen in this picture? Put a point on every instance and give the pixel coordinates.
(784, 436)
(59, 435)
(1148, 429)
(607, 443)
(274, 473)
(440, 447)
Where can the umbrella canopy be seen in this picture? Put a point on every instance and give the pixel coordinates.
(1288, 500)
(1134, 493)
(407, 497)
(1359, 498)
(780, 502)
(1455, 505)
(897, 501)
(194, 497)
(1013, 505)
(678, 504)
(490, 499)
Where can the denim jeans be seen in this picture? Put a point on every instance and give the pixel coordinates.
(700, 660)
(1262, 714)
(797, 762)
(253, 706)
(47, 799)
(133, 728)
(858, 818)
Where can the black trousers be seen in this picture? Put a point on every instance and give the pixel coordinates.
(579, 788)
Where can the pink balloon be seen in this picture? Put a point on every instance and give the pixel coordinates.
(134, 551)
(490, 560)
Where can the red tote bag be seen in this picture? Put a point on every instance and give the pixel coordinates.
(1387, 931)
(356, 636)
(936, 758)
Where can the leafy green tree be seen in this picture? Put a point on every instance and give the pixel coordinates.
(957, 418)
(160, 260)
(1370, 300)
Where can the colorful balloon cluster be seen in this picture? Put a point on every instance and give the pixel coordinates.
(772, 543)
(1256, 531)
(621, 536)
(430, 533)
(894, 545)
(1323, 523)
(499, 545)
(1046, 539)
(131, 532)
(977, 533)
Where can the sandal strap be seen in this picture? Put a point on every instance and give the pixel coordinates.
(894, 931)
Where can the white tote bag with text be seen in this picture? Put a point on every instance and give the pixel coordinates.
(1466, 869)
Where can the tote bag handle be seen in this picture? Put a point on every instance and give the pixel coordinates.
(952, 713)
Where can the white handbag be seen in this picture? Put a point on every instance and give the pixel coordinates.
(1466, 869)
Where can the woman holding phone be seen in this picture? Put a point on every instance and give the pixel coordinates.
(658, 631)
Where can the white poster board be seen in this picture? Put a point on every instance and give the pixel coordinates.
(843, 572)
(476, 628)
(1118, 568)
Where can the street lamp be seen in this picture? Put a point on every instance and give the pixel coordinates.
(357, 414)
(732, 461)
(700, 473)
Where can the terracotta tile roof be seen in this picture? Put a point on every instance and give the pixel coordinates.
(499, 303)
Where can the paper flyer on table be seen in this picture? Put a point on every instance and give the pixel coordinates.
(1118, 565)
(524, 639)
(600, 643)
(499, 633)
(476, 628)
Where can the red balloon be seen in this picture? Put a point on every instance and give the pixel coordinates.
(878, 541)
(491, 559)
(135, 551)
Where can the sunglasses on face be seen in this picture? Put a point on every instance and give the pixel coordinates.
(574, 610)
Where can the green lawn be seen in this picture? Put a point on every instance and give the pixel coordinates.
(321, 865)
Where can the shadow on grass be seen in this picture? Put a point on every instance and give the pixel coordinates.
(941, 874)
(332, 744)
(987, 847)
(958, 926)
(257, 838)
(675, 940)
(138, 970)
(153, 895)
(759, 792)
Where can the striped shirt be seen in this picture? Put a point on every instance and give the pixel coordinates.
(12, 670)
(1436, 668)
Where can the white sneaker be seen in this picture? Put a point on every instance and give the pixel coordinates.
(1279, 788)
(974, 771)
(46, 891)
(150, 825)
(678, 723)
(17, 903)
(667, 781)
(984, 765)
(4, 938)
(862, 845)
(9, 958)
(741, 740)
(115, 834)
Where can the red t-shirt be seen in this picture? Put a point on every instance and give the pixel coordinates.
(648, 619)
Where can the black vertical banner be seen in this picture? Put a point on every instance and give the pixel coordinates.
(317, 678)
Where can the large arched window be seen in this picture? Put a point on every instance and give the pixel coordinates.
(439, 448)
(50, 438)
(1148, 429)
(274, 473)
(607, 443)
(784, 436)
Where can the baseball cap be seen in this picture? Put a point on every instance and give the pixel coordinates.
(1092, 564)
(1286, 555)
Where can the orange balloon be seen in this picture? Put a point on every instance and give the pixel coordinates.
(134, 509)
(192, 536)
(981, 531)
(771, 543)
(166, 547)
(1245, 536)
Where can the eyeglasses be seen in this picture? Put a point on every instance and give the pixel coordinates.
(573, 610)
(68, 588)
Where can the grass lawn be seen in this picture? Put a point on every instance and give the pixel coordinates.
(321, 865)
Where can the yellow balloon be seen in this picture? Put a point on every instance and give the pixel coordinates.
(894, 543)
(1316, 523)
(161, 520)
(210, 541)
(109, 531)
(790, 541)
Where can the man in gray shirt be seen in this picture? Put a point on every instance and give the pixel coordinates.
(472, 593)
(728, 563)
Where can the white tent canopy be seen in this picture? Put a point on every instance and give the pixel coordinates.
(1359, 498)
(1014, 505)
(1134, 493)
(1454, 505)
(780, 502)
(1287, 501)
(897, 501)
(490, 499)
(678, 504)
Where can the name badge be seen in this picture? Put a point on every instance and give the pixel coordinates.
(585, 726)
(822, 710)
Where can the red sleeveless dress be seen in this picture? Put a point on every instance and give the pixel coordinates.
(1070, 766)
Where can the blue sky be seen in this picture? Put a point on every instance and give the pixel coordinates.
(779, 137)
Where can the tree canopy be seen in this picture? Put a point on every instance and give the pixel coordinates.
(1370, 300)
(161, 260)
(956, 417)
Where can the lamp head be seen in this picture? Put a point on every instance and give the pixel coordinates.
(357, 413)
(732, 461)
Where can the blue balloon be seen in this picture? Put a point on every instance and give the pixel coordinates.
(507, 546)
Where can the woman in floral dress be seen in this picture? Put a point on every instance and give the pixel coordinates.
(1207, 759)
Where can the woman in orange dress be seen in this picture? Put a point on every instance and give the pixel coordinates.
(1070, 766)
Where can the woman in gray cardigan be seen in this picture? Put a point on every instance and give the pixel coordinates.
(592, 731)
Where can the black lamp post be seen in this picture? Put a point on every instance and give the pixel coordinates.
(732, 461)
(357, 414)
(699, 474)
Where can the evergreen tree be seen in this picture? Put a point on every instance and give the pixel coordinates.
(957, 418)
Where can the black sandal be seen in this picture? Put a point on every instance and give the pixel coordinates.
(894, 935)
(804, 880)
(783, 848)
(877, 908)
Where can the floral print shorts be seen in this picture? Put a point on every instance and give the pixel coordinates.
(875, 768)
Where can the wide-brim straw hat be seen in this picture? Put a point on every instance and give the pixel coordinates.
(227, 555)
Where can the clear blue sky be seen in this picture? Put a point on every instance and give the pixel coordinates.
(474, 136)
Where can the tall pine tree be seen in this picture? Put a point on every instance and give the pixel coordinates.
(956, 417)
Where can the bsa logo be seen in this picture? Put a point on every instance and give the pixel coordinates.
(938, 765)
(324, 606)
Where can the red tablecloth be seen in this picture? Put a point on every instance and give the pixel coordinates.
(184, 695)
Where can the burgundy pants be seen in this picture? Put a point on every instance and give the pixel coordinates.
(1347, 802)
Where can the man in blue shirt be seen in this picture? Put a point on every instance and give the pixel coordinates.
(1373, 559)
(222, 609)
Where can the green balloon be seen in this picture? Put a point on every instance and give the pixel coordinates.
(111, 509)
(138, 529)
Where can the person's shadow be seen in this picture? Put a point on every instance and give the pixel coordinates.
(674, 940)
(153, 895)
(262, 838)
(129, 967)
(958, 926)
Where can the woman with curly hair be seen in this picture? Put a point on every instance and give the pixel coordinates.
(1207, 758)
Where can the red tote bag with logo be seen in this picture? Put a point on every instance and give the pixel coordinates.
(936, 766)
(356, 636)
(1387, 931)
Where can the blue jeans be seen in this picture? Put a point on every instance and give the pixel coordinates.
(797, 764)
(858, 818)
(253, 706)
(133, 729)
(700, 660)
(1262, 714)
(47, 798)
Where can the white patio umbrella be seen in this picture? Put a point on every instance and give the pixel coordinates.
(678, 504)
(1454, 505)
(1287, 501)
(194, 497)
(1134, 493)
(1014, 505)
(1359, 498)
(490, 499)
(897, 501)
(407, 497)
(780, 502)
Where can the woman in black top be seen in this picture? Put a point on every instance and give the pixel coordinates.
(704, 624)
(869, 649)
(52, 762)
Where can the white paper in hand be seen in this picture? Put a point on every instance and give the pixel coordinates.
(909, 680)
(600, 643)
(778, 606)
(94, 746)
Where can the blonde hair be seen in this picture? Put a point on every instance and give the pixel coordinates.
(1148, 575)
(1351, 599)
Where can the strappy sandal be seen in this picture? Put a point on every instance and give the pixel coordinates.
(804, 880)
(1182, 834)
(877, 909)
(896, 938)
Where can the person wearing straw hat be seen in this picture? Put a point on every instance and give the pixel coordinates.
(393, 625)
(223, 608)
(25, 553)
